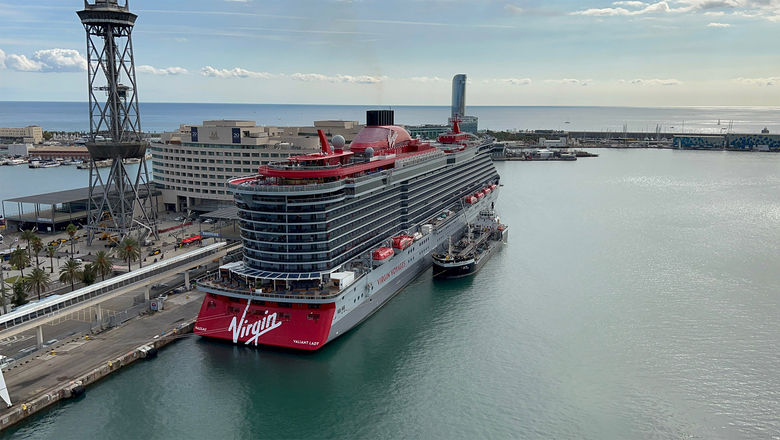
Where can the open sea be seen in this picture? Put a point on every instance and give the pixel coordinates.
(638, 298)
(158, 117)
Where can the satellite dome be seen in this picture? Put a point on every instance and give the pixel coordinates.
(338, 141)
(369, 152)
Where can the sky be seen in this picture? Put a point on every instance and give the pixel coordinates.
(405, 52)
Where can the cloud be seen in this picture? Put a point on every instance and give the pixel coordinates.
(630, 4)
(516, 81)
(719, 25)
(23, 64)
(767, 9)
(661, 6)
(236, 72)
(360, 79)
(654, 82)
(61, 60)
(46, 60)
(426, 79)
(161, 71)
(761, 82)
(569, 81)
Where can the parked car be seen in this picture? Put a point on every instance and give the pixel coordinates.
(6, 361)
(155, 252)
(179, 219)
(50, 342)
(28, 350)
(209, 221)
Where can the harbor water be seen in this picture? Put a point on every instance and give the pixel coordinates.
(638, 297)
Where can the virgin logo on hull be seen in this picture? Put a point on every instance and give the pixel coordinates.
(242, 328)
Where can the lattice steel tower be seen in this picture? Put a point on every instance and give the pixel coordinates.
(121, 204)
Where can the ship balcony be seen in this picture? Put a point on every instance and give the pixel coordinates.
(285, 247)
(282, 229)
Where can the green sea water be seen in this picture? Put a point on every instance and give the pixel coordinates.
(638, 297)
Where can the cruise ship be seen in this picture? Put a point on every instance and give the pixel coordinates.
(331, 237)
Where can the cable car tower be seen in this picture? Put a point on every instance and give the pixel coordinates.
(122, 203)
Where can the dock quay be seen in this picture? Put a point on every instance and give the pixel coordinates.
(73, 365)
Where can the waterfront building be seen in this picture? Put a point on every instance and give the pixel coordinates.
(427, 131)
(753, 142)
(698, 142)
(32, 134)
(192, 165)
(466, 123)
(59, 152)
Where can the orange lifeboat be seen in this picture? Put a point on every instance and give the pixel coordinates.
(402, 241)
(382, 254)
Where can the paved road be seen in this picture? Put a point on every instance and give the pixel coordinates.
(77, 356)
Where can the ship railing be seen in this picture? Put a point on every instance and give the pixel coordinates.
(244, 290)
(267, 187)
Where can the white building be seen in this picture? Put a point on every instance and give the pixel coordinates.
(192, 165)
(32, 134)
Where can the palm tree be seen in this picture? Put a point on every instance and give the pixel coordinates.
(19, 298)
(71, 230)
(129, 250)
(37, 247)
(103, 264)
(19, 259)
(89, 274)
(28, 236)
(50, 250)
(70, 272)
(37, 280)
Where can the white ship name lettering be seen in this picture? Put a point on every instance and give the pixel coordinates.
(242, 328)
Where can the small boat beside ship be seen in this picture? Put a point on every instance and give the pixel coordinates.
(466, 257)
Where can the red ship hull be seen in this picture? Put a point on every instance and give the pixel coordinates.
(298, 326)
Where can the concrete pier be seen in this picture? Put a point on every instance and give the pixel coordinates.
(50, 377)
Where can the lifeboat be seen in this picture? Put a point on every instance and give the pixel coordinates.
(487, 191)
(402, 242)
(479, 195)
(471, 199)
(493, 186)
(382, 255)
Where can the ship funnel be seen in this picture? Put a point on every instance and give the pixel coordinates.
(379, 117)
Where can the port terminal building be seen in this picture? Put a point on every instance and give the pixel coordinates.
(731, 142)
(191, 166)
(54, 211)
